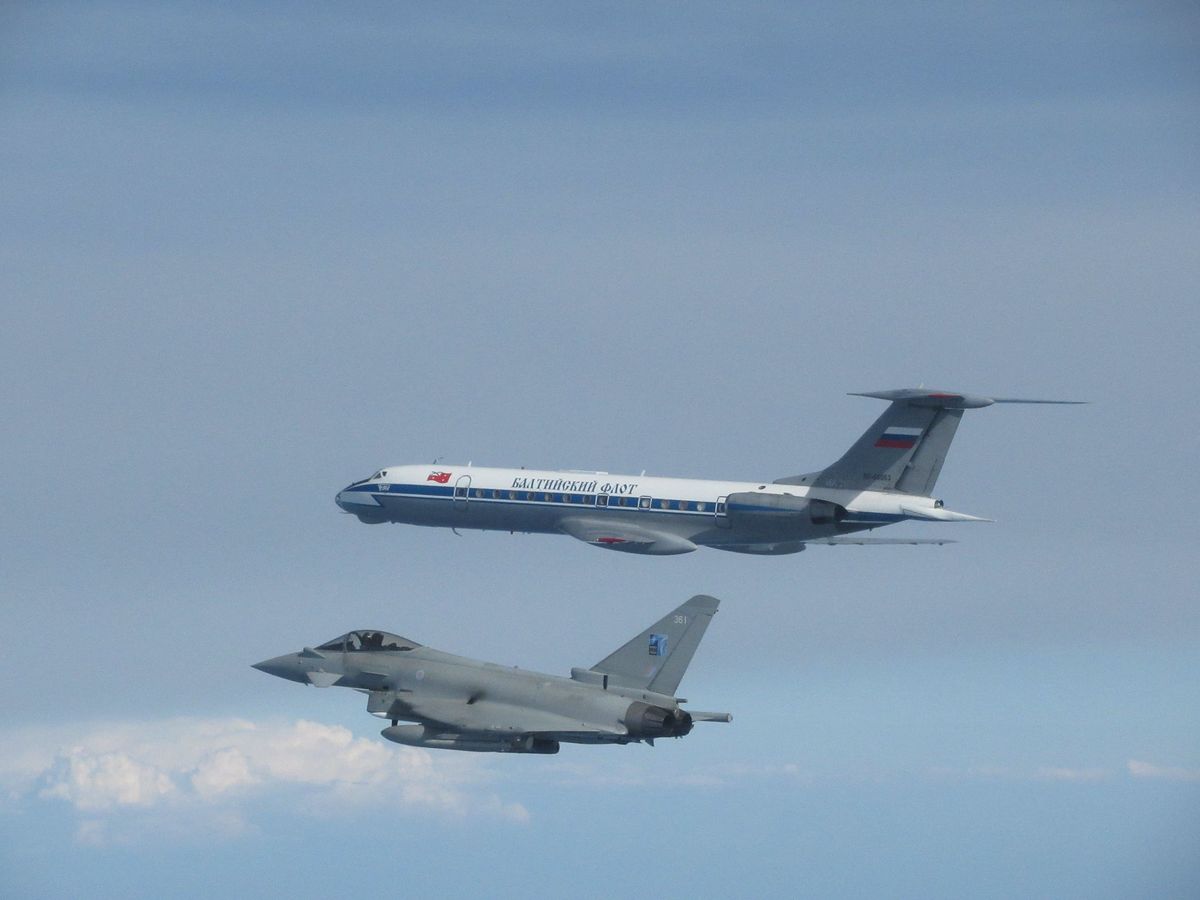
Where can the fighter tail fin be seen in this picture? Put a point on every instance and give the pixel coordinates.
(904, 449)
(656, 659)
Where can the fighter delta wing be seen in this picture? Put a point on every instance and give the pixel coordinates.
(886, 477)
(456, 703)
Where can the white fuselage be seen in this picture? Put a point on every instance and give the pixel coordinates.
(624, 511)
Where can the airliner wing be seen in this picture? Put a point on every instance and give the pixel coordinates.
(850, 539)
(781, 547)
(626, 537)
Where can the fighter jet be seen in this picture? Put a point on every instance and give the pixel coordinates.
(886, 477)
(455, 703)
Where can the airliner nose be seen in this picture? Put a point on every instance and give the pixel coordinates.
(361, 503)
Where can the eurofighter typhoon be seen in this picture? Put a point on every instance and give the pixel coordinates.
(455, 703)
(886, 477)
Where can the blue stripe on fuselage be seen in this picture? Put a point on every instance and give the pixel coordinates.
(527, 498)
(418, 490)
(532, 498)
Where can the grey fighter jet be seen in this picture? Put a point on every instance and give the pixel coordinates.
(455, 703)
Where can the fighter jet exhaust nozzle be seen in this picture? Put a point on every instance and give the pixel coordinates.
(646, 721)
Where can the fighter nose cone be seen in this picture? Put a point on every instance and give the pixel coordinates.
(281, 667)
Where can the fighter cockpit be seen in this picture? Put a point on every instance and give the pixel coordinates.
(367, 642)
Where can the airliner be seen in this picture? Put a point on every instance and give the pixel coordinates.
(886, 477)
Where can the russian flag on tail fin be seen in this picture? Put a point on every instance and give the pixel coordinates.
(899, 438)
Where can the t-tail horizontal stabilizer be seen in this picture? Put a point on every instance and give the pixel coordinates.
(903, 451)
(950, 399)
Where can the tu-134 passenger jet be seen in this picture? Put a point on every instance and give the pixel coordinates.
(886, 477)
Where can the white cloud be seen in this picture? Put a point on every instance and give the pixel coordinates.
(1139, 769)
(210, 771)
(631, 773)
(994, 772)
(600, 774)
(94, 781)
(730, 774)
(1063, 773)
(223, 771)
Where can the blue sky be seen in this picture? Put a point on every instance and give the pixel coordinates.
(250, 253)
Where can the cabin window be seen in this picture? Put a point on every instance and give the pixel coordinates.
(644, 502)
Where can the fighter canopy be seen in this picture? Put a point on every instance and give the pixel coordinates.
(368, 642)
